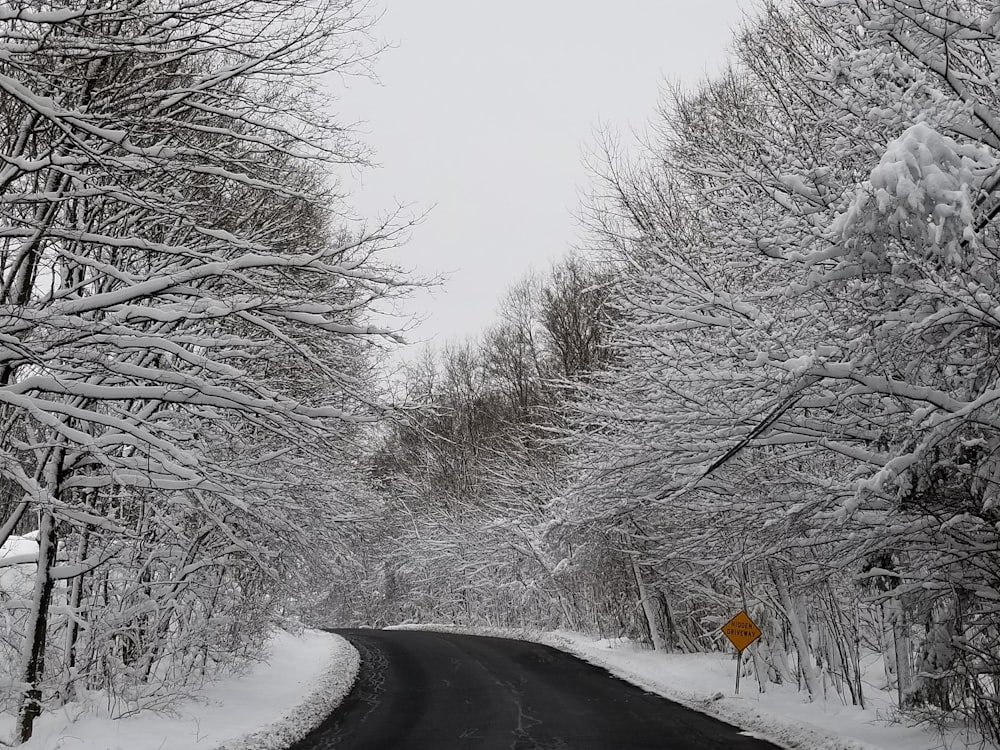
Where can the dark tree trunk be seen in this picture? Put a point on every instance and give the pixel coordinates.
(72, 627)
(34, 661)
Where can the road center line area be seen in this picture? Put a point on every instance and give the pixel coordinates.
(437, 691)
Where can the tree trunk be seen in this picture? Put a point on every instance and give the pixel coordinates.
(648, 609)
(72, 628)
(34, 642)
(900, 648)
(671, 631)
(798, 633)
(759, 669)
(856, 656)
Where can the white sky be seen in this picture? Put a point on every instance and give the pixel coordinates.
(484, 113)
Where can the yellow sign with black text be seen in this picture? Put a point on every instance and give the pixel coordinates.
(741, 630)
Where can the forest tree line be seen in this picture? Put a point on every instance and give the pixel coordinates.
(779, 391)
(768, 381)
(186, 350)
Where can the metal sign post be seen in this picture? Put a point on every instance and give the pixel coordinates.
(741, 632)
(739, 665)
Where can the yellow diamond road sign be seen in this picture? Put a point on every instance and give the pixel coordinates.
(741, 630)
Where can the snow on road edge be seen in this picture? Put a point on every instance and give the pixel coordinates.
(328, 691)
(273, 704)
(760, 724)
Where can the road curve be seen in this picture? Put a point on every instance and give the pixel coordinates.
(436, 691)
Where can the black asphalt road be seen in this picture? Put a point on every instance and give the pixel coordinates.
(435, 691)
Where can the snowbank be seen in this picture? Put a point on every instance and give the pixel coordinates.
(705, 682)
(17, 575)
(270, 707)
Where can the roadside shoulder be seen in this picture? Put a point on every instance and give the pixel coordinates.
(267, 707)
(327, 691)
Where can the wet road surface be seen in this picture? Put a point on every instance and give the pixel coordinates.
(437, 691)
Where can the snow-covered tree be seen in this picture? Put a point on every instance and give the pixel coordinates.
(802, 398)
(179, 314)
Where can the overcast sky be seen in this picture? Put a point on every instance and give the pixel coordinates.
(483, 114)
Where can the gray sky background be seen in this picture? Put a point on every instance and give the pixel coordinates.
(483, 114)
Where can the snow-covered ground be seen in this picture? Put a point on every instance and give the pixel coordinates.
(269, 707)
(705, 682)
(782, 713)
(306, 677)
